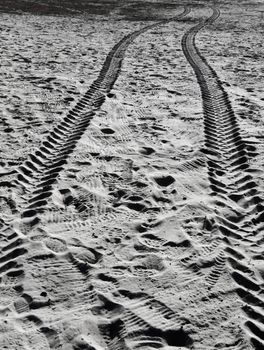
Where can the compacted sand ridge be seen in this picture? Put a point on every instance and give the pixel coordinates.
(131, 175)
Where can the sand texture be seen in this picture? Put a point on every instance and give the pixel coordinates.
(131, 175)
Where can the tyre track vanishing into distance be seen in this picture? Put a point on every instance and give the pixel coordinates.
(34, 185)
(230, 175)
(39, 172)
(85, 278)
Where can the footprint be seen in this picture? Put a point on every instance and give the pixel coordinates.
(147, 151)
(119, 271)
(152, 241)
(105, 284)
(84, 257)
(8, 295)
(52, 337)
(107, 309)
(7, 207)
(29, 323)
(164, 180)
(115, 234)
(85, 342)
(55, 244)
(148, 265)
(21, 305)
(113, 333)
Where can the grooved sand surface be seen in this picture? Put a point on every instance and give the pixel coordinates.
(131, 175)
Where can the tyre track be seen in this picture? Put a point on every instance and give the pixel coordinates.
(37, 175)
(39, 172)
(229, 173)
(227, 153)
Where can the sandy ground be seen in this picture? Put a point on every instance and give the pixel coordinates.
(135, 238)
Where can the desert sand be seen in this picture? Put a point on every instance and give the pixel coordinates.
(131, 175)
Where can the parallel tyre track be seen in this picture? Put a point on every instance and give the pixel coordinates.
(39, 172)
(230, 179)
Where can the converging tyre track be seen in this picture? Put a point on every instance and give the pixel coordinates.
(230, 179)
(39, 172)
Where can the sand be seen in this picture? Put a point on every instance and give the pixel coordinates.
(131, 175)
